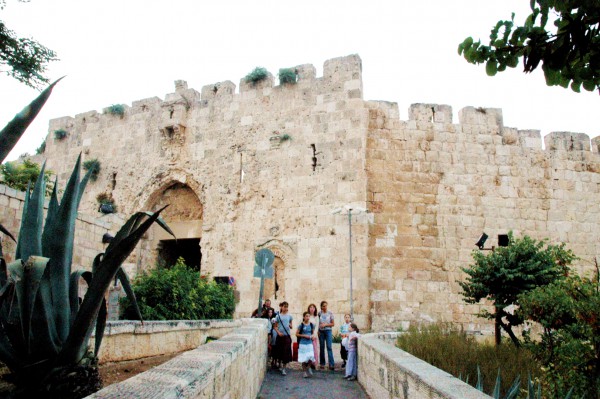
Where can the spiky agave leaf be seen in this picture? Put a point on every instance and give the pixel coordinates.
(496, 393)
(57, 244)
(52, 209)
(33, 271)
(132, 223)
(479, 385)
(25, 206)
(74, 298)
(30, 236)
(13, 131)
(3, 230)
(74, 290)
(530, 387)
(76, 345)
(124, 279)
(513, 391)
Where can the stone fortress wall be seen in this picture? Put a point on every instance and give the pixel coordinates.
(235, 181)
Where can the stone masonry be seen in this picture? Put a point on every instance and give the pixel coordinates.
(265, 166)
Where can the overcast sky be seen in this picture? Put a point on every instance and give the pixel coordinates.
(116, 51)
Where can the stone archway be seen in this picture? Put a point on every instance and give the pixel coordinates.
(275, 289)
(184, 217)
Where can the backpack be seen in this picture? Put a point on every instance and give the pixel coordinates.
(312, 328)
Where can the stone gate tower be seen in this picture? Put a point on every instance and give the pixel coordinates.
(264, 168)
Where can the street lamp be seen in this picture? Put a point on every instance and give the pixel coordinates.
(349, 209)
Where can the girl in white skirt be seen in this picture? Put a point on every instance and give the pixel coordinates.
(306, 354)
(352, 341)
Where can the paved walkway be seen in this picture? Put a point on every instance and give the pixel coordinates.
(324, 383)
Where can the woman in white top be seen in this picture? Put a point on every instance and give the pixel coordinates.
(314, 319)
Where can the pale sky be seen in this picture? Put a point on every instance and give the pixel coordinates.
(121, 51)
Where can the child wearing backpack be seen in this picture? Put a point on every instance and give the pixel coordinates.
(306, 353)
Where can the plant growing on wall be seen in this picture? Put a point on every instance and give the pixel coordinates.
(60, 134)
(92, 165)
(288, 75)
(106, 203)
(257, 74)
(502, 275)
(44, 328)
(115, 109)
(42, 148)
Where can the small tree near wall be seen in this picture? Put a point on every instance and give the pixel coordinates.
(502, 275)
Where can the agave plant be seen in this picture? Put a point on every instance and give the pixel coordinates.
(12, 132)
(44, 329)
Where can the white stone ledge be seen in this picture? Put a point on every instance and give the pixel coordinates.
(150, 327)
(232, 367)
(386, 371)
(129, 340)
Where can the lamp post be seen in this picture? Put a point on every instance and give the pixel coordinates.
(349, 209)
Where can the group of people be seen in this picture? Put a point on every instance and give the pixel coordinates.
(314, 335)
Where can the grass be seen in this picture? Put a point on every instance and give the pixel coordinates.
(60, 134)
(41, 148)
(457, 353)
(287, 75)
(258, 74)
(115, 109)
(94, 165)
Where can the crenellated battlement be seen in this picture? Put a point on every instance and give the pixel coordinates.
(341, 80)
(268, 162)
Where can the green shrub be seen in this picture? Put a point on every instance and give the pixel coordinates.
(258, 74)
(179, 293)
(115, 109)
(93, 165)
(502, 275)
(569, 347)
(20, 175)
(42, 148)
(459, 354)
(336, 339)
(60, 134)
(285, 137)
(287, 75)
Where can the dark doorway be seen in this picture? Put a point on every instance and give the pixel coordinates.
(170, 250)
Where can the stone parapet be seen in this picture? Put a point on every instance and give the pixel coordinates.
(129, 340)
(231, 367)
(386, 371)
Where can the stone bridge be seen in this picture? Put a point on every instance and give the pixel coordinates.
(235, 366)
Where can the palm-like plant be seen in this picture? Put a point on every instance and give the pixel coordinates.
(44, 330)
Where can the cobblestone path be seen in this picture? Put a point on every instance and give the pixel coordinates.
(324, 383)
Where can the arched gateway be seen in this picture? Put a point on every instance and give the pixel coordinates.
(184, 217)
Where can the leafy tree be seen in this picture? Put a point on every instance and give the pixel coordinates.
(569, 348)
(505, 273)
(24, 59)
(179, 293)
(20, 175)
(569, 52)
